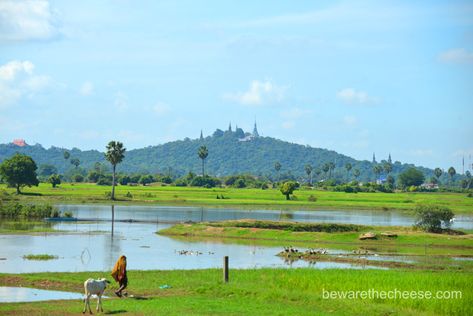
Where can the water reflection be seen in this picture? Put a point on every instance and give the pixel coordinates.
(23, 294)
(168, 214)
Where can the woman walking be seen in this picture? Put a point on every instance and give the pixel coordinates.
(119, 274)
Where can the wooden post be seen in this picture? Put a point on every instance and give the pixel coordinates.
(225, 269)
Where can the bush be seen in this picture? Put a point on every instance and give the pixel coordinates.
(68, 214)
(181, 182)
(312, 198)
(105, 180)
(78, 178)
(205, 181)
(24, 211)
(431, 218)
(129, 195)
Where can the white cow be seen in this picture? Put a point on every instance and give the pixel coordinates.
(96, 287)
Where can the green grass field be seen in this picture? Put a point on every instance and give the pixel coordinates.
(242, 198)
(255, 292)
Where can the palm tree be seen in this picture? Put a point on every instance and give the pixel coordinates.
(325, 169)
(356, 173)
(348, 166)
(277, 167)
(377, 170)
(114, 154)
(438, 172)
(331, 167)
(451, 172)
(75, 162)
(388, 168)
(203, 153)
(308, 170)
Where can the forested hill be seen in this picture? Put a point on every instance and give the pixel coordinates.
(228, 154)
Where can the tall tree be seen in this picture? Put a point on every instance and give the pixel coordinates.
(356, 173)
(308, 170)
(438, 172)
(203, 153)
(325, 169)
(19, 171)
(388, 167)
(114, 154)
(452, 172)
(277, 167)
(75, 162)
(348, 166)
(331, 167)
(66, 155)
(377, 170)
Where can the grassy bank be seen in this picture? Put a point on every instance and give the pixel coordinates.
(255, 292)
(241, 198)
(408, 240)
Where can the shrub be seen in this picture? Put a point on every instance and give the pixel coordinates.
(129, 195)
(68, 214)
(312, 198)
(431, 218)
(78, 178)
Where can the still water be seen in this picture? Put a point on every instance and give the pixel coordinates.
(197, 214)
(90, 247)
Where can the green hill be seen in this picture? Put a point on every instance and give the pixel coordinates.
(229, 153)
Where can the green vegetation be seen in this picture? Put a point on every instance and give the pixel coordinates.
(19, 171)
(431, 218)
(411, 177)
(254, 292)
(287, 188)
(230, 156)
(243, 198)
(41, 257)
(115, 154)
(54, 179)
(15, 210)
(408, 241)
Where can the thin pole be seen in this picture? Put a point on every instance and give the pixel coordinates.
(225, 269)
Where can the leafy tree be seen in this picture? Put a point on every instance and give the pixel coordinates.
(288, 188)
(124, 180)
(19, 171)
(94, 176)
(277, 167)
(203, 153)
(438, 172)
(75, 162)
(54, 179)
(308, 171)
(146, 179)
(114, 154)
(348, 166)
(430, 218)
(66, 155)
(410, 177)
(47, 170)
(452, 172)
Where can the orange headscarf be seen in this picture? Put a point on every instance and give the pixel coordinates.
(119, 270)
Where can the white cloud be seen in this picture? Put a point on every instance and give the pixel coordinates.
(17, 79)
(161, 109)
(259, 93)
(350, 120)
(352, 96)
(87, 88)
(26, 20)
(457, 56)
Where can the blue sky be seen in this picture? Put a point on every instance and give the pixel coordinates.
(355, 77)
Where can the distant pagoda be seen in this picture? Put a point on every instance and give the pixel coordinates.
(255, 131)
